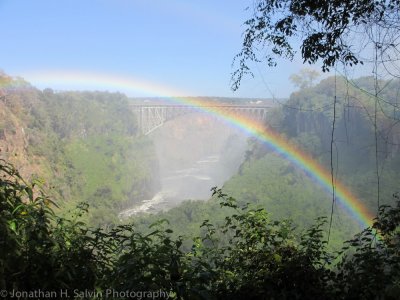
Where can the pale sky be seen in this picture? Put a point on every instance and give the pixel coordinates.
(186, 47)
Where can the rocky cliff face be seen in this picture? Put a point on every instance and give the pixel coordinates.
(15, 108)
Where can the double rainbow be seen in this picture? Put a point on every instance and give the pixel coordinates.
(264, 135)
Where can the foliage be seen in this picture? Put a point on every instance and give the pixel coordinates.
(258, 259)
(305, 78)
(374, 261)
(274, 184)
(38, 249)
(262, 258)
(307, 120)
(327, 31)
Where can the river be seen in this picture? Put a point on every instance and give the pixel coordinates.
(194, 183)
(195, 154)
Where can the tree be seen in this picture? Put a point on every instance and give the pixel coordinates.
(305, 78)
(329, 32)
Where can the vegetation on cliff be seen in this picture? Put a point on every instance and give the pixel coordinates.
(84, 145)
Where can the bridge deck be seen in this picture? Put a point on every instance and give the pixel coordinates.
(199, 106)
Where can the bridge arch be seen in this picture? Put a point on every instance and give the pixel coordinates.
(151, 117)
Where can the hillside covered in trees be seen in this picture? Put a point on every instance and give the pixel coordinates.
(268, 181)
(79, 144)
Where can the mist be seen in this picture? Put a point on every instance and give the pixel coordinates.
(195, 153)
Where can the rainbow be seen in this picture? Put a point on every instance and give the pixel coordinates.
(299, 158)
(266, 136)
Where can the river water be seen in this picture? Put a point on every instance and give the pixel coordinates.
(194, 182)
(195, 154)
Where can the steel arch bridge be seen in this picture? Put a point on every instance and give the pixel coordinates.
(151, 117)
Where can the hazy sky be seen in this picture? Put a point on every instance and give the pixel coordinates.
(143, 47)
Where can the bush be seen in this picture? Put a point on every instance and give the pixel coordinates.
(248, 256)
